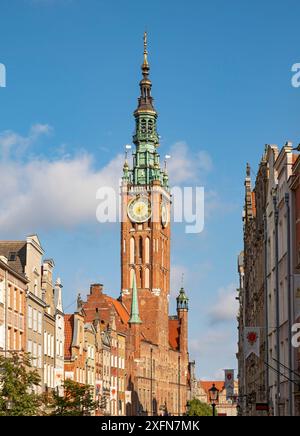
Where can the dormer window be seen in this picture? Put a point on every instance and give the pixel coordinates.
(12, 257)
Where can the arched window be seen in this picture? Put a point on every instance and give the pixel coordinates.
(147, 278)
(141, 278)
(144, 126)
(147, 250)
(132, 250)
(141, 249)
(150, 126)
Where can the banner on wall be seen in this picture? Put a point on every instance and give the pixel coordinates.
(229, 383)
(251, 341)
(127, 397)
(113, 393)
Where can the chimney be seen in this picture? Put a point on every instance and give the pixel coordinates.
(96, 288)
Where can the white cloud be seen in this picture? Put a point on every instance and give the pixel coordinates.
(43, 194)
(13, 145)
(38, 193)
(187, 166)
(48, 194)
(226, 305)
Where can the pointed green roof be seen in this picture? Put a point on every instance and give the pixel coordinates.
(182, 300)
(146, 159)
(135, 314)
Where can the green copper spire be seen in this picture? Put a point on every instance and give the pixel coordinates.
(135, 315)
(146, 163)
(182, 300)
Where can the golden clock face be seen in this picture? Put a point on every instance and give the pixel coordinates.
(164, 215)
(139, 210)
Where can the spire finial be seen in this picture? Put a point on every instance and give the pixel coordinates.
(248, 170)
(127, 148)
(182, 280)
(145, 48)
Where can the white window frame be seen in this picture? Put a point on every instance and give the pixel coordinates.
(35, 320)
(30, 317)
(40, 322)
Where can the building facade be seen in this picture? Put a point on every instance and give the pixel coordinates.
(294, 183)
(13, 286)
(224, 406)
(26, 258)
(35, 305)
(270, 274)
(105, 379)
(49, 328)
(59, 337)
(252, 292)
(75, 352)
(38, 330)
(112, 318)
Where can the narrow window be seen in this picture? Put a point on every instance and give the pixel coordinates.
(132, 250)
(147, 278)
(141, 249)
(147, 250)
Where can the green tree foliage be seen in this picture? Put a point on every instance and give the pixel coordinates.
(77, 400)
(197, 408)
(18, 381)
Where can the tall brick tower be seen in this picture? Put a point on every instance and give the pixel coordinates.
(145, 229)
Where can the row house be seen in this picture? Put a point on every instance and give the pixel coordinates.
(95, 353)
(42, 307)
(12, 308)
(59, 337)
(253, 370)
(49, 325)
(225, 406)
(75, 352)
(25, 257)
(294, 184)
(104, 382)
(112, 317)
(269, 296)
(53, 329)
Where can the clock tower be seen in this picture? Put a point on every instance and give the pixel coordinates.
(145, 228)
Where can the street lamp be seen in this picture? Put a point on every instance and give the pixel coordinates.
(213, 397)
(9, 405)
(188, 407)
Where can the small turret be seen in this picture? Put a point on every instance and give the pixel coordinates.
(182, 300)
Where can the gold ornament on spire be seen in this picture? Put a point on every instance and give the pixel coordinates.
(145, 48)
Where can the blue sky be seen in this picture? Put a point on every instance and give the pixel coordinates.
(221, 75)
